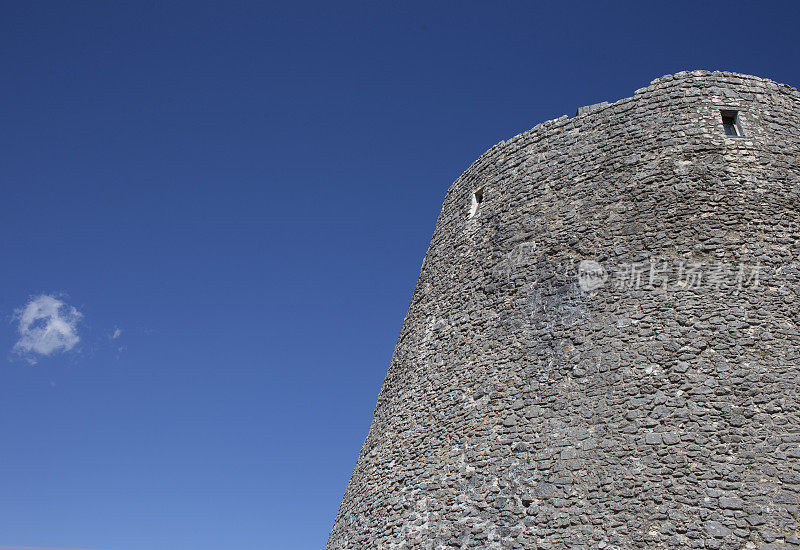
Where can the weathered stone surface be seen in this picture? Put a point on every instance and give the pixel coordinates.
(588, 360)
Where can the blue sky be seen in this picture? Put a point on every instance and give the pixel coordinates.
(212, 218)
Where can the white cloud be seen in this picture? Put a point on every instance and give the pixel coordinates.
(46, 326)
(117, 333)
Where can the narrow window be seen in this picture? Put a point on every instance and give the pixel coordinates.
(730, 122)
(477, 199)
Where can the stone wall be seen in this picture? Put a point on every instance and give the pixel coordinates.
(607, 354)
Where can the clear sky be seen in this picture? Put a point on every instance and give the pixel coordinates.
(212, 217)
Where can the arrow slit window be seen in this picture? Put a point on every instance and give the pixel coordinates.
(730, 123)
(477, 199)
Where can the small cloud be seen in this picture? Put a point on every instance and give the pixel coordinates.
(46, 326)
(117, 333)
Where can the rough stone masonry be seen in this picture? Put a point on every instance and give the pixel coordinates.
(602, 349)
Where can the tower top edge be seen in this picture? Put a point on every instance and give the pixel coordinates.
(691, 77)
(667, 79)
(706, 73)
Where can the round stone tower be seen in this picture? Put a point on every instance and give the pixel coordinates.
(602, 349)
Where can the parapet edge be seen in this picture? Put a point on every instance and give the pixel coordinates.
(592, 110)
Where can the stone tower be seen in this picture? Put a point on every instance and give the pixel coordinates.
(602, 349)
